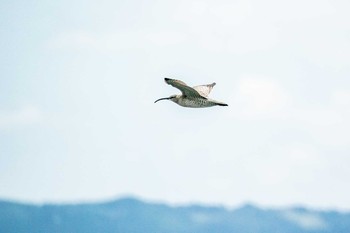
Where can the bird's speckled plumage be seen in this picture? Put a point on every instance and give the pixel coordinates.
(192, 97)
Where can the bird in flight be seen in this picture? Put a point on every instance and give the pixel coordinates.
(192, 97)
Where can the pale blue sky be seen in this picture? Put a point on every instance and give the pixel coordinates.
(78, 80)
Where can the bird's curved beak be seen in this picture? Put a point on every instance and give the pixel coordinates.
(167, 98)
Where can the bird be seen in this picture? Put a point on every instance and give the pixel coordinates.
(192, 97)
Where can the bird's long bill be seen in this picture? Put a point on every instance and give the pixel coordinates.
(161, 99)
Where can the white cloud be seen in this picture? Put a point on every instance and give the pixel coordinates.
(216, 27)
(328, 123)
(165, 38)
(292, 10)
(277, 166)
(83, 40)
(341, 97)
(199, 217)
(306, 220)
(225, 26)
(199, 14)
(26, 115)
(258, 95)
(261, 98)
(116, 41)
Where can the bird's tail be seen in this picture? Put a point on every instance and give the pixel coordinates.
(221, 104)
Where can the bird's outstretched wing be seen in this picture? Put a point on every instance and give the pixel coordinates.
(186, 90)
(204, 90)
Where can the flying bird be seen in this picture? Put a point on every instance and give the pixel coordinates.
(192, 97)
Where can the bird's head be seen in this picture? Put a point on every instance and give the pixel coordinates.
(172, 98)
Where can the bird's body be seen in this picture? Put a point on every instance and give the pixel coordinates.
(192, 97)
(191, 102)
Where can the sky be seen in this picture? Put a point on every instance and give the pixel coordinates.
(78, 81)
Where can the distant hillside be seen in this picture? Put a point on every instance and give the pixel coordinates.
(130, 215)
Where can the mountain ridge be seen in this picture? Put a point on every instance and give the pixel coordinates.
(130, 214)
